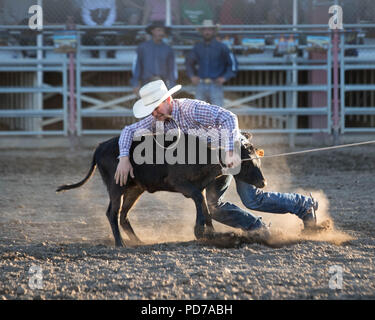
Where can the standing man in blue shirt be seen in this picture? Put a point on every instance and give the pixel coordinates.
(209, 65)
(155, 59)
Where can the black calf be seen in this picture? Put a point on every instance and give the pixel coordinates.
(188, 179)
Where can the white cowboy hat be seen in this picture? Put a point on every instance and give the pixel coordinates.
(208, 24)
(152, 94)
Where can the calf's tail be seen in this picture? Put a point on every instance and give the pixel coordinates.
(82, 182)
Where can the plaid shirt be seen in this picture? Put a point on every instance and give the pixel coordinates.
(193, 117)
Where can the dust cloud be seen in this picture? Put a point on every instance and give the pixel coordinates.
(177, 219)
(169, 217)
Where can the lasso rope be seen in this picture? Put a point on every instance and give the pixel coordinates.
(313, 150)
(273, 155)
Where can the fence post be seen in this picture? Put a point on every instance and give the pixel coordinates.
(168, 13)
(335, 113)
(342, 83)
(294, 80)
(37, 123)
(318, 14)
(72, 106)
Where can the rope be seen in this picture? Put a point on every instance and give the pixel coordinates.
(313, 150)
(178, 137)
(273, 155)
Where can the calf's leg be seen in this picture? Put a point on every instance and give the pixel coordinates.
(130, 198)
(207, 215)
(112, 215)
(203, 216)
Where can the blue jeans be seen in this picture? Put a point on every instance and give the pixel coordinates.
(254, 199)
(211, 93)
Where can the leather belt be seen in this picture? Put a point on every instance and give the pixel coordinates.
(207, 80)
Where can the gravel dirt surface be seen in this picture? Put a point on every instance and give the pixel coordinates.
(66, 238)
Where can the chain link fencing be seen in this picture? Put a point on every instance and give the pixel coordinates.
(183, 12)
(138, 13)
(121, 23)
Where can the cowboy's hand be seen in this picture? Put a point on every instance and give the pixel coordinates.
(232, 159)
(233, 163)
(124, 167)
(195, 80)
(220, 80)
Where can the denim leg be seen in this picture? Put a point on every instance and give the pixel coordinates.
(216, 94)
(273, 202)
(200, 92)
(226, 212)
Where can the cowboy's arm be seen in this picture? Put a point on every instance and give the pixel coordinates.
(229, 121)
(124, 166)
(230, 61)
(137, 69)
(190, 64)
(171, 68)
(220, 119)
(128, 133)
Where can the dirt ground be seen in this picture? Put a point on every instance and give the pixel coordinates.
(60, 246)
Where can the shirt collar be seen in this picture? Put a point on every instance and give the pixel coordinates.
(175, 109)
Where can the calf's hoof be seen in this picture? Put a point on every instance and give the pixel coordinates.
(209, 230)
(199, 232)
(134, 243)
(119, 244)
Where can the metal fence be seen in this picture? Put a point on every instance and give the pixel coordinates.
(23, 89)
(357, 82)
(187, 12)
(291, 93)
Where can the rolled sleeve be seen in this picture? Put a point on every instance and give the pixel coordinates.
(214, 117)
(206, 114)
(228, 121)
(128, 133)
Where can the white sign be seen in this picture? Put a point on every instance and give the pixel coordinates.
(36, 20)
(335, 22)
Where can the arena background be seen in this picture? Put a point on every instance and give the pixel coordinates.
(274, 92)
(60, 246)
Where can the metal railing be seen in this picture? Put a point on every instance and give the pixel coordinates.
(98, 107)
(42, 62)
(360, 62)
(289, 64)
(114, 107)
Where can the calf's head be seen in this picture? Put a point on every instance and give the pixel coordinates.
(250, 172)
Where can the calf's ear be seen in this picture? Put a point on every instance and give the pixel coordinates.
(247, 135)
(259, 152)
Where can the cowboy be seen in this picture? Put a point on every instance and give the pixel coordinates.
(157, 104)
(155, 59)
(209, 65)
